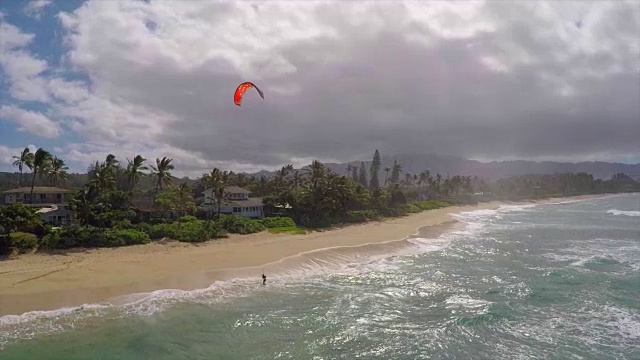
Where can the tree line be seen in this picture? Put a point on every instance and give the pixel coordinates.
(313, 196)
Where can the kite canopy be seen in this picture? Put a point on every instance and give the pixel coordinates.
(241, 89)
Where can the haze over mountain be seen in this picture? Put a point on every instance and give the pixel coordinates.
(453, 165)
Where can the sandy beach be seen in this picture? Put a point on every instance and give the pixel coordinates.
(51, 281)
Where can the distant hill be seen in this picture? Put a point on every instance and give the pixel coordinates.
(415, 163)
(451, 166)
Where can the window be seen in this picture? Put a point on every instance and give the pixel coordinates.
(43, 196)
(59, 196)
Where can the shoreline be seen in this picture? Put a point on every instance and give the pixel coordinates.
(43, 282)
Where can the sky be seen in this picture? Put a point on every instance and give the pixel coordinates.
(489, 80)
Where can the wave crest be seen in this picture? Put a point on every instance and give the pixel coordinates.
(617, 212)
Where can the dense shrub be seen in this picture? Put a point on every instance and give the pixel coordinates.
(277, 222)
(20, 218)
(187, 218)
(411, 208)
(50, 240)
(197, 231)
(357, 216)
(160, 231)
(22, 241)
(5, 244)
(393, 211)
(123, 224)
(144, 227)
(74, 236)
(239, 224)
(432, 204)
(122, 237)
(287, 230)
(85, 236)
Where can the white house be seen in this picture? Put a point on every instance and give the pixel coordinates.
(236, 201)
(52, 202)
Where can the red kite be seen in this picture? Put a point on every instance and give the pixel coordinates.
(241, 89)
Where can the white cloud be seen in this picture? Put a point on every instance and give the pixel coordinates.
(23, 70)
(340, 79)
(6, 155)
(35, 8)
(31, 121)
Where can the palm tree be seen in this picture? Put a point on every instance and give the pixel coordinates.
(24, 159)
(41, 159)
(111, 161)
(101, 177)
(185, 199)
(135, 170)
(162, 172)
(297, 179)
(57, 171)
(424, 177)
(408, 179)
(241, 180)
(216, 181)
(82, 204)
(386, 179)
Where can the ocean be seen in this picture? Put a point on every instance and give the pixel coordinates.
(554, 281)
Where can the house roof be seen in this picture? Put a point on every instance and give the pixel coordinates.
(143, 204)
(231, 189)
(38, 190)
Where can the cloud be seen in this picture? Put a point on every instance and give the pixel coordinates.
(22, 70)
(6, 155)
(30, 121)
(35, 8)
(473, 78)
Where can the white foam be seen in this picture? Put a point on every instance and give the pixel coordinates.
(10, 320)
(430, 245)
(617, 212)
(516, 208)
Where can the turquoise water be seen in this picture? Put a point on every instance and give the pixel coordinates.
(558, 281)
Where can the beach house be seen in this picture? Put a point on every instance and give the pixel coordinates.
(52, 202)
(236, 201)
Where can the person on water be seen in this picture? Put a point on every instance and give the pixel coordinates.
(264, 279)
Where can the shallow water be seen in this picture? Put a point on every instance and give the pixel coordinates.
(557, 281)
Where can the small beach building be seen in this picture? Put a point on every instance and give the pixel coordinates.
(236, 201)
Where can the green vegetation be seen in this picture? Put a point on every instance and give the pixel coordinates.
(23, 242)
(277, 222)
(294, 230)
(239, 224)
(295, 199)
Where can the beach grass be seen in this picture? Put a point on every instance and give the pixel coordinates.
(294, 230)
